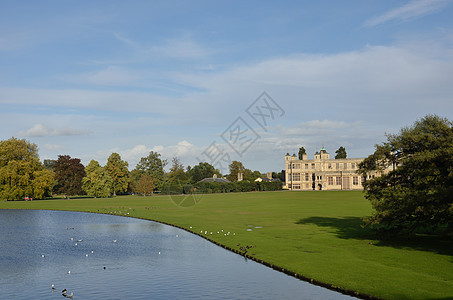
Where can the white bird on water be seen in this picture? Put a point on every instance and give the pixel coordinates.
(69, 272)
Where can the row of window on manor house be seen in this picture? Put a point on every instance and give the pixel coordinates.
(330, 179)
(329, 166)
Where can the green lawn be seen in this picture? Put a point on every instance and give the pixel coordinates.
(315, 234)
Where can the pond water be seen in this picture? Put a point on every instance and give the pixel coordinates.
(113, 257)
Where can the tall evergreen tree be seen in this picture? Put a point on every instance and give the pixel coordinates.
(341, 153)
(302, 152)
(177, 173)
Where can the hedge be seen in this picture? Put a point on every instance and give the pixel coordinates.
(220, 187)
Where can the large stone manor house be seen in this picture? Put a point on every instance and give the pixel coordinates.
(323, 173)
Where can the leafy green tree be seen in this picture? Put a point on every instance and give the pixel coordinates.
(117, 170)
(153, 166)
(251, 176)
(97, 182)
(177, 173)
(417, 191)
(256, 174)
(134, 177)
(201, 171)
(42, 184)
(68, 176)
(279, 175)
(235, 168)
(145, 185)
(21, 172)
(341, 153)
(48, 164)
(301, 152)
(17, 150)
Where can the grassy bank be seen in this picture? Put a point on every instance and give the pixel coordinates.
(316, 234)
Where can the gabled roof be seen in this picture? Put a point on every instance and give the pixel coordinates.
(210, 179)
(267, 179)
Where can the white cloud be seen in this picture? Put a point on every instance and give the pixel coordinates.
(315, 127)
(349, 98)
(412, 9)
(376, 75)
(370, 84)
(39, 130)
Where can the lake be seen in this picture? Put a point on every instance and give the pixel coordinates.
(111, 257)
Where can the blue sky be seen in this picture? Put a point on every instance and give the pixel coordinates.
(88, 78)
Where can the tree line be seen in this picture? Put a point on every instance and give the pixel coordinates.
(22, 175)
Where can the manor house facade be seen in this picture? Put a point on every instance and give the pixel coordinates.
(323, 173)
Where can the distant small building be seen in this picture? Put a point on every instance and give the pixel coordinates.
(215, 179)
(268, 178)
(264, 179)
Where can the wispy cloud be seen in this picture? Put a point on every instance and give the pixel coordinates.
(39, 130)
(126, 41)
(412, 9)
(182, 47)
(112, 75)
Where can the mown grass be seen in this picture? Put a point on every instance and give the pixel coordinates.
(316, 234)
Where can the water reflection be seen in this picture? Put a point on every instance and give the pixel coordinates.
(115, 257)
